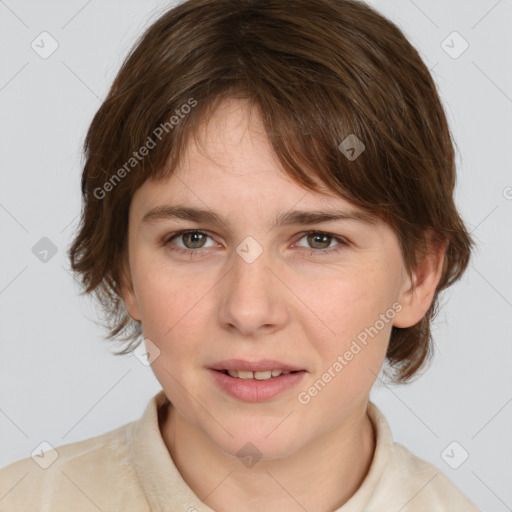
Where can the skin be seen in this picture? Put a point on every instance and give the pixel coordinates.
(291, 304)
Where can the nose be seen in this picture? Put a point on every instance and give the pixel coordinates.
(253, 299)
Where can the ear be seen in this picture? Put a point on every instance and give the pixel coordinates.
(417, 294)
(127, 291)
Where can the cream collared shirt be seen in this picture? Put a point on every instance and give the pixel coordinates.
(129, 469)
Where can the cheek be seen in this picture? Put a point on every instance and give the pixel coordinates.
(346, 304)
(356, 324)
(357, 310)
(172, 306)
(163, 294)
(166, 309)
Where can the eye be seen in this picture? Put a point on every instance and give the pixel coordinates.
(191, 240)
(321, 242)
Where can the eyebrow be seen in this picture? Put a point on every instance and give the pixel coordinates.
(165, 212)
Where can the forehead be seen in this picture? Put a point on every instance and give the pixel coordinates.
(231, 143)
(229, 168)
(230, 151)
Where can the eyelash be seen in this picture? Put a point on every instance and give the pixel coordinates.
(312, 252)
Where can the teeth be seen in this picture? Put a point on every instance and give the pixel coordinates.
(263, 375)
(245, 375)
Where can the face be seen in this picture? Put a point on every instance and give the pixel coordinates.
(245, 288)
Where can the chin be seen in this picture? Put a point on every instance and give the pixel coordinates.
(257, 442)
(249, 452)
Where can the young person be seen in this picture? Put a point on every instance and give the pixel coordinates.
(268, 204)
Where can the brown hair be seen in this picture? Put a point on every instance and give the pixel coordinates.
(319, 71)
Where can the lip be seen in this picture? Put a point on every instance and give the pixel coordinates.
(252, 390)
(254, 366)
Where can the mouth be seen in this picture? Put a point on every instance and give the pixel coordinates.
(261, 375)
(263, 365)
(255, 381)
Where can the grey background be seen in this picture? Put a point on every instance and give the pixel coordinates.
(58, 381)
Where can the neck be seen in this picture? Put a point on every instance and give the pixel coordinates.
(333, 466)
